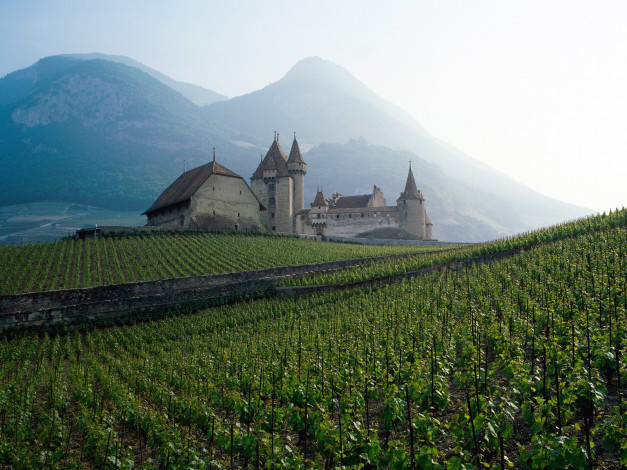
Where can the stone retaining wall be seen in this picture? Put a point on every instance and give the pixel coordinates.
(104, 302)
(396, 242)
(293, 291)
(75, 305)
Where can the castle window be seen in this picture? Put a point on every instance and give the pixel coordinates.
(214, 212)
(272, 187)
(271, 202)
(274, 227)
(214, 188)
(238, 214)
(362, 214)
(236, 226)
(240, 193)
(272, 215)
(350, 216)
(338, 216)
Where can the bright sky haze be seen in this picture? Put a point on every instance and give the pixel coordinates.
(535, 89)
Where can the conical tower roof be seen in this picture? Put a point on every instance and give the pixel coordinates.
(295, 155)
(275, 159)
(320, 200)
(411, 191)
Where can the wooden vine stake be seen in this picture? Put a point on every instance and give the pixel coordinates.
(411, 429)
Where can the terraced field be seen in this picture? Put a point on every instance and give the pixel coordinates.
(515, 363)
(76, 263)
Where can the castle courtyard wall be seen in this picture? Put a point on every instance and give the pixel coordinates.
(352, 222)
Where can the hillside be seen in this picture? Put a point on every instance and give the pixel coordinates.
(105, 132)
(324, 103)
(196, 94)
(458, 210)
(148, 256)
(517, 362)
(96, 132)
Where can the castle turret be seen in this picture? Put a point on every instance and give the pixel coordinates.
(318, 213)
(411, 209)
(297, 169)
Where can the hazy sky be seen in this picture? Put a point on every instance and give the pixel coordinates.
(536, 89)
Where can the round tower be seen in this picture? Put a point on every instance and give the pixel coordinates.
(411, 209)
(297, 168)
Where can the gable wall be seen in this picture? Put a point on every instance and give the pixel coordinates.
(224, 202)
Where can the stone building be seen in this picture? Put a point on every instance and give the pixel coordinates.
(207, 196)
(279, 183)
(368, 215)
(214, 196)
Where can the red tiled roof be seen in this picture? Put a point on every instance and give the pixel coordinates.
(188, 183)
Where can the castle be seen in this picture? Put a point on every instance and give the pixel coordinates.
(276, 200)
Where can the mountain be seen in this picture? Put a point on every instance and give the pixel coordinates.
(103, 131)
(196, 94)
(96, 132)
(326, 103)
(452, 206)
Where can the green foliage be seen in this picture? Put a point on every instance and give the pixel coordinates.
(162, 255)
(118, 142)
(348, 379)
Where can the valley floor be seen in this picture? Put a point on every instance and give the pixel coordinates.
(49, 221)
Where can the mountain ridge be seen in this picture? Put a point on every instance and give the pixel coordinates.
(110, 134)
(198, 95)
(329, 114)
(96, 132)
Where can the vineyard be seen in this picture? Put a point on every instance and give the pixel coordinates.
(69, 264)
(510, 245)
(515, 363)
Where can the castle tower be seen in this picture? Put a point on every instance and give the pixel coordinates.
(318, 213)
(297, 168)
(274, 187)
(411, 209)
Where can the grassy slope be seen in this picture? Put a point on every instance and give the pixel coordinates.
(526, 346)
(72, 263)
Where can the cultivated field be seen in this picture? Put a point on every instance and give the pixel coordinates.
(514, 363)
(70, 264)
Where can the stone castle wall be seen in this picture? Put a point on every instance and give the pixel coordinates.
(352, 222)
(284, 203)
(412, 217)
